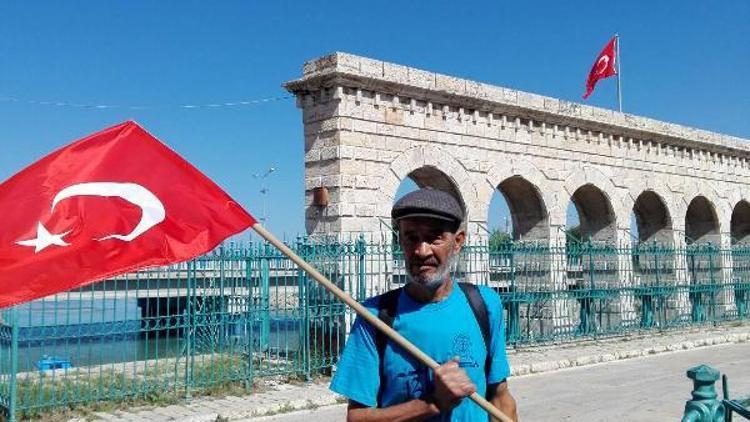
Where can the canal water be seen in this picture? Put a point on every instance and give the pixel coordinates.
(111, 331)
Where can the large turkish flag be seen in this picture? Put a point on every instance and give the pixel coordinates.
(603, 67)
(112, 202)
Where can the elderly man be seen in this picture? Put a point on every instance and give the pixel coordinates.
(455, 323)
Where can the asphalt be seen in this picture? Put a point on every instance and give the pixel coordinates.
(652, 388)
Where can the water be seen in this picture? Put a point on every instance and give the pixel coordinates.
(111, 332)
(100, 351)
(283, 337)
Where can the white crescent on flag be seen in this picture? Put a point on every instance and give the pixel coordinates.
(152, 210)
(604, 61)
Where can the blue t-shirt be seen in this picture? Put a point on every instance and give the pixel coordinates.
(442, 330)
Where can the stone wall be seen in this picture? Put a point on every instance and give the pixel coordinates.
(370, 124)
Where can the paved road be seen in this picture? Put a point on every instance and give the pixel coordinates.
(645, 389)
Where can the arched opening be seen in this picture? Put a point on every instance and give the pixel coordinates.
(740, 224)
(652, 220)
(429, 177)
(526, 217)
(594, 214)
(653, 259)
(518, 221)
(701, 224)
(703, 257)
(591, 261)
(499, 221)
(423, 177)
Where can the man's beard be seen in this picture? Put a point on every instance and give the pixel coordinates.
(434, 281)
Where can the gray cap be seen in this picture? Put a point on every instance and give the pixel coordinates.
(428, 202)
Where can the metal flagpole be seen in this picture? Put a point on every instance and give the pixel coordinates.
(376, 322)
(619, 85)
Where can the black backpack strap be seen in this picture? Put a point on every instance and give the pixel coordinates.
(387, 304)
(479, 308)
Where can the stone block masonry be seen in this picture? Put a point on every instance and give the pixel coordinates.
(369, 125)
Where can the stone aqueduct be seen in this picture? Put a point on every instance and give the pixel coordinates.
(370, 124)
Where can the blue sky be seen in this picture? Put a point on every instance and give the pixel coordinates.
(685, 62)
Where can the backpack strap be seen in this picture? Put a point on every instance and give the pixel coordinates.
(387, 304)
(479, 308)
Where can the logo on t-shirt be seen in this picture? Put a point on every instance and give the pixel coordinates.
(462, 348)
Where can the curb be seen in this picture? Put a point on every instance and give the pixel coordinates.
(290, 406)
(551, 366)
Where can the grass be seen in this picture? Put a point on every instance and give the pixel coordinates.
(50, 398)
(62, 396)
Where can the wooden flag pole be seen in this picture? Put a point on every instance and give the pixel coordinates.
(369, 317)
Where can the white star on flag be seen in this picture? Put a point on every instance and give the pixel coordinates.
(44, 238)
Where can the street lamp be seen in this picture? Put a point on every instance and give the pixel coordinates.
(264, 191)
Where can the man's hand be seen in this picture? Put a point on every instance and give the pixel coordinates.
(451, 385)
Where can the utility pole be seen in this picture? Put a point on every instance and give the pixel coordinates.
(264, 192)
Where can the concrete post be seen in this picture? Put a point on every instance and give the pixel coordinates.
(726, 295)
(625, 279)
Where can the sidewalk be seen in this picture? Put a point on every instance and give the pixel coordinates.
(281, 398)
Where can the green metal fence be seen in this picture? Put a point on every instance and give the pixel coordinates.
(245, 311)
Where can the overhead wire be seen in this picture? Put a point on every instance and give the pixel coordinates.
(72, 104)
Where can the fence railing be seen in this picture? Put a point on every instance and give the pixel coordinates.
(245, 311)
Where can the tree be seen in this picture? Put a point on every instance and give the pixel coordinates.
(499, 240)
(574, 234)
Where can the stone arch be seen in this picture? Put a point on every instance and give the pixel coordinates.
(736, 195)
(653, 218)
(527, 192)
(740, 223)
(598, 202)
(702, 222)
(655, 213)
(718, 209)
(428, 166)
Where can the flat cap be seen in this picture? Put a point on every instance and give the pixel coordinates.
(428, 202)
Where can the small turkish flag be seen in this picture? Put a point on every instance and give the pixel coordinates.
(112, 202)
(603, 67)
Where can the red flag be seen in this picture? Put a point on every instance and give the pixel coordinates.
(109, 203)
(603, 67)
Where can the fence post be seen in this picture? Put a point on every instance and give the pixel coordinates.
(713, 252)
(647, 308)
(696, 295)
(646, 290)
(189, 322)
(586, 309)
(514, 315)
(304, 304)
(248, 318)
(704, 407)
(265, 298)
(361, 248)
(13, 365)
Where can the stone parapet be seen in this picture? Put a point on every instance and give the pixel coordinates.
(424, 92)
